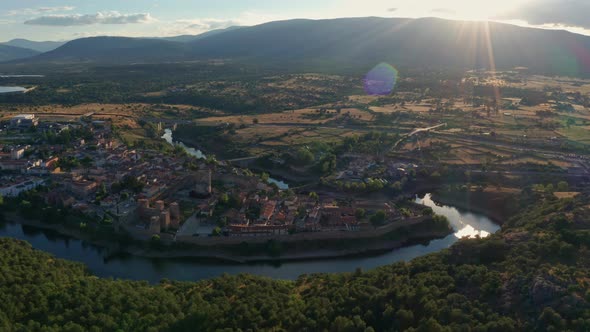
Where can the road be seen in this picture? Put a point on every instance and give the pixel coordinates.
(414, 132)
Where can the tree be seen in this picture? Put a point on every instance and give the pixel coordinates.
(427, 212)
(304, 156)
(124, 196)
(404, 319)
(549, 188)
(359, 213)
(224, 199)
(378, 218)
(313, 195)
(396, 186)
(570, 122)
(562, 186)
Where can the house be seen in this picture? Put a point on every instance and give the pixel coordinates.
(60, 199)
(335, 217)
(267, 210)
(82, 188)
(17, 153)
(167, 218)
(51, 163)
(24, 121)
(203, 183)
(15, 189)
(14, 165)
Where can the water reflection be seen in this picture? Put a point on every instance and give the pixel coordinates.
(8, 89)
(191, 151)
(280, 184)
(153, 270)
(465, 224)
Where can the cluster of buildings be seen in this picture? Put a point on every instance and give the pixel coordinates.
(24, 121)
(142, 190)
(297, 214)
(97, 176)
(364, 167)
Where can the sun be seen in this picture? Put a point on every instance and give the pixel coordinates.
(483, 10)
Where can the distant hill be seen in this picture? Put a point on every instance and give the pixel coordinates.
(427, 42)
(191, 38)
(8, 53)
(115, 50)
(355, 44)
(43, 46)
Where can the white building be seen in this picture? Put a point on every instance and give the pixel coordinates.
(17, 153)
(24, 121)
(18, 188)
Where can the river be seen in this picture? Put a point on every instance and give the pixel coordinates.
(154, 269)
(199, 155)
(191, 151)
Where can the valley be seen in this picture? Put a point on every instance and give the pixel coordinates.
(349, 174)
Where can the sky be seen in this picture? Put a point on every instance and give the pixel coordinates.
(42, 20)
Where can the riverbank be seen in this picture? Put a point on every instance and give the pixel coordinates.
(377, 247)
(243, 252)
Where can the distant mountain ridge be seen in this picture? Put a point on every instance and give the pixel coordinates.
(42, 46)
(354, 43)
(115, 50)
(192, 38)
(8, 53)
(427, 42)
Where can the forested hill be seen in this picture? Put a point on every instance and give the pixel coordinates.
(115, 50)
(533, 275)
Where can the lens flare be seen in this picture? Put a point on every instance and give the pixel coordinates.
(381, 80)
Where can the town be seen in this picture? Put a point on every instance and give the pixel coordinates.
(167, 195)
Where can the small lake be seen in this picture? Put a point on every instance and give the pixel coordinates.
(153, 270)
(191, 151)
(21, 76)
(280, 184)
(9, 89)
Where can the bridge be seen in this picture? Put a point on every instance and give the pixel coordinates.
(243, 162)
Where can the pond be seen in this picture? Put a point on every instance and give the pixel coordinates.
(9, 89)
(280, 184)
(153, 270)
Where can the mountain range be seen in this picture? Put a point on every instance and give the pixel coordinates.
(42, 46)
(191, 38)
(8, 53)
(352, 43)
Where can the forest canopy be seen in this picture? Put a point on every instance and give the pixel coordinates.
(532, 275)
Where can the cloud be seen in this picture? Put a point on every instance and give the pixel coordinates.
(443, 11)
(207, 24)
(98, 18)
(569, 13)
(39, 10)
(391, 10)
